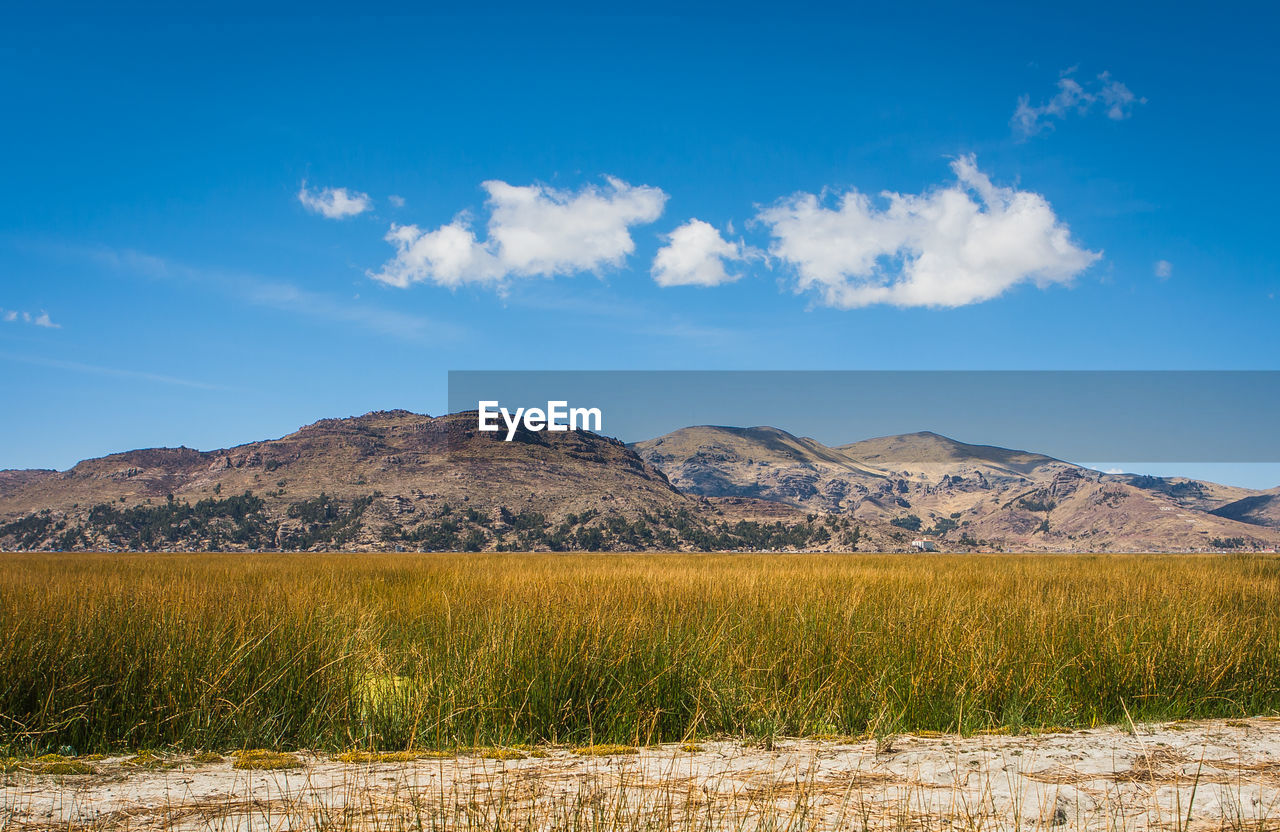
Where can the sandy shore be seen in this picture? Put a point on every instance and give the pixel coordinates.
(1214, 774)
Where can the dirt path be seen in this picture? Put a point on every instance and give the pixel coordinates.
(1218, 774)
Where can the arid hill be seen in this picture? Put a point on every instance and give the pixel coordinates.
(929, 454)
(390, 451)
(966, 496)
(385, 480)
(1259, 509)
(762, 462)
(398, 480)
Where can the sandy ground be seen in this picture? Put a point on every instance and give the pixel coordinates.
(1203, 775)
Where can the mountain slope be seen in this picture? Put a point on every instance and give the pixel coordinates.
(878, 473)
(392, 451)
(964, 496)
(399, 480)
(1258, 510)
(1079, 511)
(936, 456)
(762, 462)
(386, 481)
(1188, 493)
(383, 480)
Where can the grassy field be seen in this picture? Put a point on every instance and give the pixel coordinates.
(102, 652)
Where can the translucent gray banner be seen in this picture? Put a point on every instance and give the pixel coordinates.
(1136, 416)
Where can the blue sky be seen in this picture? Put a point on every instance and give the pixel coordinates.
(168, 175)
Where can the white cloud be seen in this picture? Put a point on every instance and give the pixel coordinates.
(939, 248)
(1164, 269)
(1072, 97)
(396, 201)
(1117, 98)
(334, 203)
(695, 255)
(13, 316)
(533, 230)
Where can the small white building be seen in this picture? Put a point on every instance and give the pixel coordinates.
(922, 545)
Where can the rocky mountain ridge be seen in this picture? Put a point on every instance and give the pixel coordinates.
(386, 480)
(398, 480)
(967, 496)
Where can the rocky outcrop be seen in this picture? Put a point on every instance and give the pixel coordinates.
(398, 480)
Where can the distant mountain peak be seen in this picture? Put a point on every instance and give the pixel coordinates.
(933, 449)
(395, 478)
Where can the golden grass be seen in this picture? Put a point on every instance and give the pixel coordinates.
(261, 759)
(605, 750)
(102, 652)
(46, 764)
(390, 756)
(495, 753)
(150, 761)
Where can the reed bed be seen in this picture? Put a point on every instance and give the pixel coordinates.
(399, 652)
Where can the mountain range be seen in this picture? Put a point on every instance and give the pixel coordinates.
(396, 480)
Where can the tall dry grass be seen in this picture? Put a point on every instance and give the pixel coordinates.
(103, 652)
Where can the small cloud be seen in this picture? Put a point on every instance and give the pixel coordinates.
(1117, 98)
(1164, 269)
(695, 255)
(396, 201)
(10, 316)
(1073, 97)
(334, 203)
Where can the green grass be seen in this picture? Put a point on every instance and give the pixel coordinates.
(329, 652)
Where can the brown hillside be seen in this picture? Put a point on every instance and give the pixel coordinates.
(400, 480)
(385, 480)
